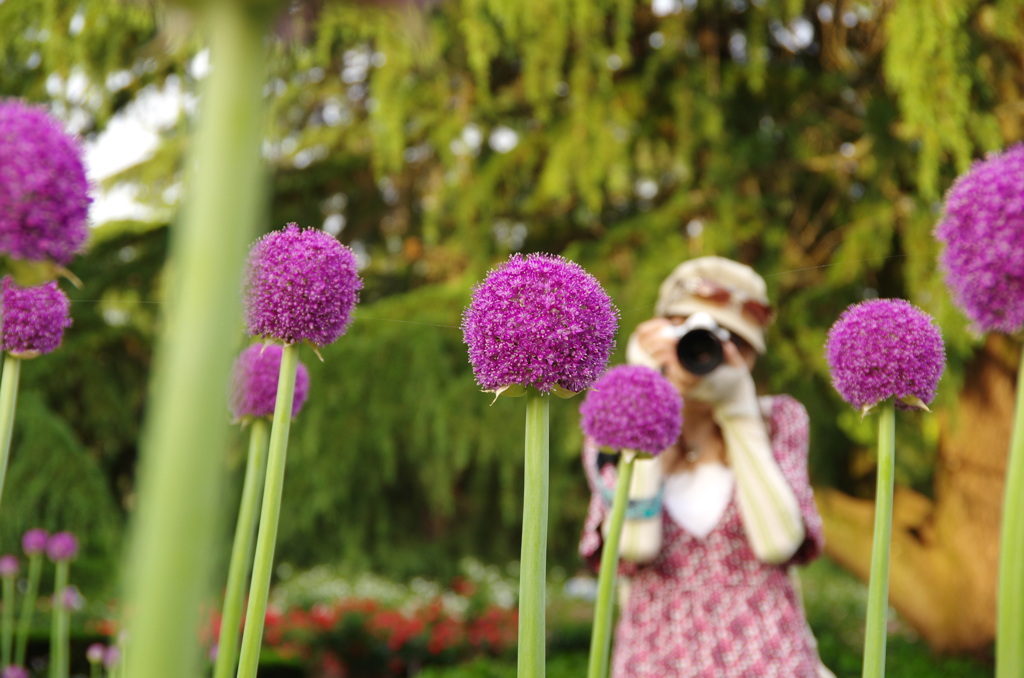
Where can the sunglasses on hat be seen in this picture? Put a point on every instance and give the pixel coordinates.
(721, 295)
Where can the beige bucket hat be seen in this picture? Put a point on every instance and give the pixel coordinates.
(730, 292)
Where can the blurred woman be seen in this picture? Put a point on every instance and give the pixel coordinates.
(716, 520)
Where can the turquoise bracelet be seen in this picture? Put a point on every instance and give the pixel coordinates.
(637, 509)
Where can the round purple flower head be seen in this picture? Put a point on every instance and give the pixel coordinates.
(14, 672)
(44, 193)
(540, 321)
(32, 319)
(301, 285)
(983, 230)
(632, 407)
(62, 546)
(95, 653)
(34, 541)
(8, 565)
(112, 657)
(885, 348)
(254, 382)
(71, 598)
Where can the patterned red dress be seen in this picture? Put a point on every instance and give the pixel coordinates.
(707, 608)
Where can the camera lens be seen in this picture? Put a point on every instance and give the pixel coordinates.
(699, 351)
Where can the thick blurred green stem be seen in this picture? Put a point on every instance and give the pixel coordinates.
(28, 607)
(8, 402)
(1010, 600)
(263, 561)
(533, 559)
(181, 461)
(59, 624)
(878, 584)
(241, 551)
(601, 632)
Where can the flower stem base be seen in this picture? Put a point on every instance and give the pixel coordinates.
(266, 540)
(601, 633)
(8, 402)
(241, 551)
(878, 584)
(1010, 600)
(533, 559)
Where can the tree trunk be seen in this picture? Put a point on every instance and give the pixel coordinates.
(945, 552)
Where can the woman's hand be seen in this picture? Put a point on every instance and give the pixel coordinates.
(733, 356)
(730, 386)
(654, 338)
(658, 345)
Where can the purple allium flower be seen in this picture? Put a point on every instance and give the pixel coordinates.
(14, 672)
(254, 382)
(540, 321)
(71, 598)
(632, 407)
(32, 319)
(983, 230)
(95, 653)
(884, 348)
(62, 546)
(112, 658)
(44, 193)
(301, 285)
(34, 541)
(8, 565)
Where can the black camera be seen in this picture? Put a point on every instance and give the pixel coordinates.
(699, 348)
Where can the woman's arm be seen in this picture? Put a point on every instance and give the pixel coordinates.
(769, 507)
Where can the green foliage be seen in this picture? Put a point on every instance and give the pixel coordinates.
(925, 62)
(836, 603)
(47, 44)
(566, 665)
(54, 483)
(633, 141)
(79, 409)
(96, 381)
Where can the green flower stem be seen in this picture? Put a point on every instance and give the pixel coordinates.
(241, 551)
(8, 402)
(28, 607)
(7, 621)
(1010, 605)
(59, 624)
(533, 560)
(94, 669)
(878, 584)
(170, 566)
(601, 632)
(120, 667)
(263, 562)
